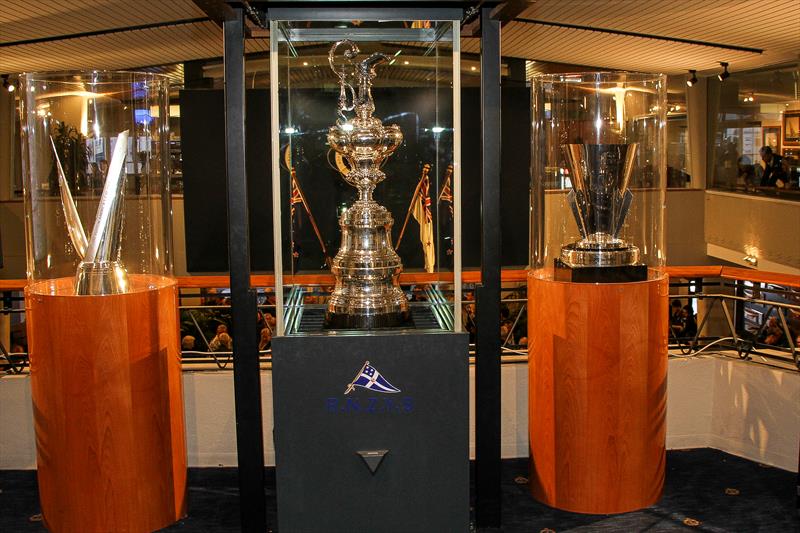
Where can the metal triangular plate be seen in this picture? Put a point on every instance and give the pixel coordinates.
(372, 458)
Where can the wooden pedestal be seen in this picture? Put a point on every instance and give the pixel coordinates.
(597, 392)
(108, 406)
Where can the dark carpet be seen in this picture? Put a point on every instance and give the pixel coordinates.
(706, 490)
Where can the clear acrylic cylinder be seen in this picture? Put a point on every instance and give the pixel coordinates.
(72, 124)
(598, 169)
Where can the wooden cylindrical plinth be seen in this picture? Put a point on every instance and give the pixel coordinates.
(597, 368)
(108, 406)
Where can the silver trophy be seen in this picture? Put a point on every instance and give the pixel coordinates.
(600, 201)
(100, 271)
(367, 269)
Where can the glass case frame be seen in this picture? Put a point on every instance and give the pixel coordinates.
(288, 298)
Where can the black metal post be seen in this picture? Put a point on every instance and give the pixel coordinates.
(246, 377)
(487, 360)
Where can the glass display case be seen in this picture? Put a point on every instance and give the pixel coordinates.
(366, 175)
(598, 174)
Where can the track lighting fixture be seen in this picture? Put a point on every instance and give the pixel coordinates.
(691, 81)
(7, 85)
(722, 76)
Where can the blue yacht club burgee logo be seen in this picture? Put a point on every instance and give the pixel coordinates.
(369, 378)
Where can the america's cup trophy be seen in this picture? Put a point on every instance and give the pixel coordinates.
(367, 269)
(600, 200)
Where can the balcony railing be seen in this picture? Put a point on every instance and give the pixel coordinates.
(749, 314)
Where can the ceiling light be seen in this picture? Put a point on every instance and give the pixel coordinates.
(473, 68)
(289, 130)
(405, 62)
(693, 80)
(7, 85)
(305, 63)
(722, 76)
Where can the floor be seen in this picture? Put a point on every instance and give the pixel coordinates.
(706, 490)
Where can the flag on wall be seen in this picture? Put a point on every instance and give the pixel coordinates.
(422, 214)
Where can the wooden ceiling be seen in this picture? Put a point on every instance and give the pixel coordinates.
(711, 31)
(669, 36)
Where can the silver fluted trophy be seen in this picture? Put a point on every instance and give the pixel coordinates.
(100, 270)
(367, 269)
(600, 200)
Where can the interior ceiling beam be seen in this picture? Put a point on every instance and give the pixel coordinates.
(641, 35)
(505, 12)
(216, 10)
(154, 25)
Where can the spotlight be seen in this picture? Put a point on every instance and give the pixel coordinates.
(7, 85)
(722, 76)
(693, 80)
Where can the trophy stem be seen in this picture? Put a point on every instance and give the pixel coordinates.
(365, 194)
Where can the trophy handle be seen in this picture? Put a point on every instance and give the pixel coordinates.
(74, 225)
(350, 53)
(104, 244)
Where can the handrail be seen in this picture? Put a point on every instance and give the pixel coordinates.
(468, 276)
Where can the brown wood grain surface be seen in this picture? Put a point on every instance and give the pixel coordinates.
(108, 406)
(468, 276)
(597, 393)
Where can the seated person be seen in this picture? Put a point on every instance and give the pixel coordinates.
(776, 173)
(747, 174)
(187, 343)
(773, 333)
(688, 327)
(675, 314)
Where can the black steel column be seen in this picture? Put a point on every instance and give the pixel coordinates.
(246, 377)
(487, 360)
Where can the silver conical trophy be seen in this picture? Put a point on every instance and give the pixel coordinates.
(367, 269)
(600, 200)
(100, 271)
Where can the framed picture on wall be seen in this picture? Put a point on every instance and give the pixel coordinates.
(772, 138)
(791, 128)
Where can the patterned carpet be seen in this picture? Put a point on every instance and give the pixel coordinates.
(706, 490)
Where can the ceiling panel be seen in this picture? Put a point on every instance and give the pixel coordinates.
(22, 20)
(770, 25)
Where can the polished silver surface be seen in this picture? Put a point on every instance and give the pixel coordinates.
(600, 200)
(100, 271)
(366, 267)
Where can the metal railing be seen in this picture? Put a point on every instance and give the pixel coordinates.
(723, 298)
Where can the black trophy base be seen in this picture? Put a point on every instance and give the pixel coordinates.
(594, 274)
(380, 321)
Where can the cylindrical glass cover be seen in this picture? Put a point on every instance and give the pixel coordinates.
(598, 173)
(95, 164)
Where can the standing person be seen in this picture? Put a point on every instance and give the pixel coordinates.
(775, 172)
